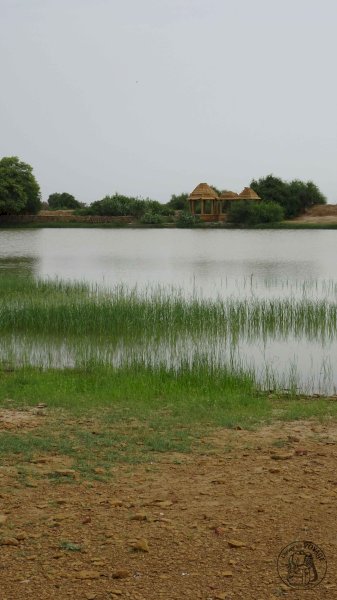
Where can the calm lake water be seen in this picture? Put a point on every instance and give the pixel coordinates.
(226, 262)
(208, 263)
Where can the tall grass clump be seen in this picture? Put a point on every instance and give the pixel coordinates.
(63, 324)
(56, 307)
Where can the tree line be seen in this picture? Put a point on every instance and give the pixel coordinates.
(20, 194)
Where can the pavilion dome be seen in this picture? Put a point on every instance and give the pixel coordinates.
(203, 192)
(228, 195)
(248, 194)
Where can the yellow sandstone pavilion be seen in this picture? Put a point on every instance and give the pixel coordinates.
(205, 202)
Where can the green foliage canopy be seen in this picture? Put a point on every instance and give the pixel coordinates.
(216, 189)
(178, 202)
(294, 196)
(119, 206)
(57, 201)
(19, 190)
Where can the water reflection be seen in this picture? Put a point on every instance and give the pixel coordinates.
(19, 266)
(276, 364)
(209, 261)
(240, 264)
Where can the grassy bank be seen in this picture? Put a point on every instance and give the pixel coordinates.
(98, 412)
(192, 395)
(101, 417)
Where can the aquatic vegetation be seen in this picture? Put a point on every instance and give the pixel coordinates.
(56, 323)
(75, 308)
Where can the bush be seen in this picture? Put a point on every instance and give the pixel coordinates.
(125, 206)
(187, 220)
(155, 207)
(114, 206)
(239, 212)
(151, 218)
(268, 212)
(251, 213)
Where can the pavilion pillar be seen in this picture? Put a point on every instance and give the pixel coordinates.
(202, 206)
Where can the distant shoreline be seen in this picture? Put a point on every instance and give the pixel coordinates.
(19, 224)
(317, 217)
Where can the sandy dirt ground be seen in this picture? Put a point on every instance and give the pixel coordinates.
(327, 219)
(208, 525)
(320, 213)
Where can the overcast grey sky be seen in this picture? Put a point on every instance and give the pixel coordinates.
(151, 97)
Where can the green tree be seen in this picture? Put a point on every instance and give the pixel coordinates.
(19, 190)
(217, 191)
(273, 189)
(294, 197)
(57, 201)
(305, 194)
(178, 202)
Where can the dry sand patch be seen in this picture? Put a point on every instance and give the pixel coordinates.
(204, 525)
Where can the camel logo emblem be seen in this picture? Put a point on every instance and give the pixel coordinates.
(302, 565)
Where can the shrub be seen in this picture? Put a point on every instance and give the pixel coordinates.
(119, 205)
(251, 213)
(268, 212)
(114, 206)
(151, 218)
(239, 212)
(187, 220)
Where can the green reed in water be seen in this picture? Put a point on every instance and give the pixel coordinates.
(56, 307)
(55, 324)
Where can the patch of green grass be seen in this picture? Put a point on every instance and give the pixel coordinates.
(105, 416)
(308, 408)
(134, 416)
(280, 443)
(136, 393)
(164, 441)
(29, 444)
(70, 546)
